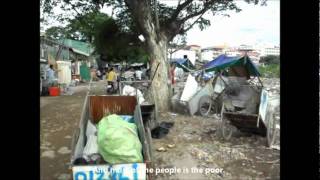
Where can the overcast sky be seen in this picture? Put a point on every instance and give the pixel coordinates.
(255, 24)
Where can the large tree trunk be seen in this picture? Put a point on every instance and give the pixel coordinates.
(159, 69)
(156, 41)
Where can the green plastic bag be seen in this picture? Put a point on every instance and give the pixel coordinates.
(118, 141)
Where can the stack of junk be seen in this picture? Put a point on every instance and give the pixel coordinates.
(131, 91)
(190, 88)
(193, 86)
(113, 140)
(240, 97)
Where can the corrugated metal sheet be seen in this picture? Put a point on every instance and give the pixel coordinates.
(80, 52)
(78, 46)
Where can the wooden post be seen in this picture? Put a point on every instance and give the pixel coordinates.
(222, 113)
(258, 120)
(222, 79)
(260, 81)
(136, 89)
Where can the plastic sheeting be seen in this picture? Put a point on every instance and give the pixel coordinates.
(91, 146)
(91, 129)
(190, 88)
(185, 64)
(223, 62)
(131, 91)
(118, 141)
(85, 72)
(64, 72)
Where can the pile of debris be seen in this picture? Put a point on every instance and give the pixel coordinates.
(240, 97)
(99, 151)
(131, 91)
(272, 85)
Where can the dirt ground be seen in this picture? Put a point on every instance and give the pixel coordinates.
(197, 145)
(59, 115)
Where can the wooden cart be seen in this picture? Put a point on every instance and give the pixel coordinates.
(94, 109)
(247, 113)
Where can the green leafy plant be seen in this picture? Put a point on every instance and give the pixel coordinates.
(270, 71)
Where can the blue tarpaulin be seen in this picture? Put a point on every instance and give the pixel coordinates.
(185, 64)
(180, 60)
(222, 62)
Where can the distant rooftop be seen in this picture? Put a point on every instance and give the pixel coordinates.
(193, 45)
(75, 46)
(78, 46)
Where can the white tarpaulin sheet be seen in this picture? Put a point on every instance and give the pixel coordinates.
(131, 91)
(64, 72)
(190, 88)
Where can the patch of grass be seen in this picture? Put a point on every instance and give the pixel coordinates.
(270, 71)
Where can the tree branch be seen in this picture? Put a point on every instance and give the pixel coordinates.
(156, 16)
(74, 8)
(187, 29)
(112, 12)
(206, 7)
(141, 11)
(179, 8)
(178, 48)
(174, 25)
(132, 7)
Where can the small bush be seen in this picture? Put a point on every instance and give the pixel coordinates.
(270, 71)
(270, 59)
